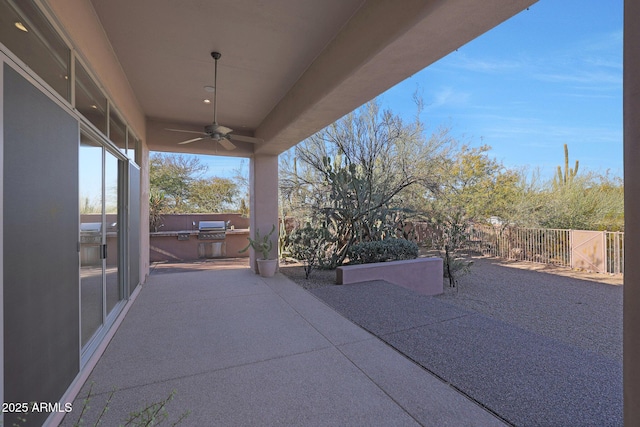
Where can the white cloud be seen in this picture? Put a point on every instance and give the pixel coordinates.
(603, 42)
(593, 77)
(485, 65)
(547, 134)
(449, 97)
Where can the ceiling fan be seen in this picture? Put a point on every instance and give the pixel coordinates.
(222, 134)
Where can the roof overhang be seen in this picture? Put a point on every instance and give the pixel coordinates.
(288, 67)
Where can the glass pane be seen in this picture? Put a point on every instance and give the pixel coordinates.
(111, 182)
(91, 269)
(26, 32)
(132, 146)
(117, 131)
(90, 101)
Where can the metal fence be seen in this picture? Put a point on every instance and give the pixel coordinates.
(599, 251)
(545, 246)
(615, 251)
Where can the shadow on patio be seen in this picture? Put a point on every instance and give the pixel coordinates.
(242, 350)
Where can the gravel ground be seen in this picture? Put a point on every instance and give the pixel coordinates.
(317, 278)
(579, 312)
(559, 303)
(525, 378)
(535, 348)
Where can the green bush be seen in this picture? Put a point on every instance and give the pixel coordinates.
(382, 250)
(308, 244)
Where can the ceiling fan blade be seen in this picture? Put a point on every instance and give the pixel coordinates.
(245, 138)
(185, 131)
(227, 144)
(191, 140)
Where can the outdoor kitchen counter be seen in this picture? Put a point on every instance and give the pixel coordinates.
(244, 231)
(175, 233)
(179, 245)
(236, 240)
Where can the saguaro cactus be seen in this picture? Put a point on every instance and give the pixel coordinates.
(569, 173)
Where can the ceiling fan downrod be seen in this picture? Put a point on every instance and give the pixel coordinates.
(216, 56)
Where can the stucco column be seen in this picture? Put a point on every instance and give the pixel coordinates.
(263, 178)
(144, 212)
(631, 94)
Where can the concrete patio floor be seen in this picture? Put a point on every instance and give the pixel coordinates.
(239, 349)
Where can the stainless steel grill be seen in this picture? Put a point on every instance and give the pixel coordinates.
(213, 234)
(90, 244)
(90, 232)
(211, 230)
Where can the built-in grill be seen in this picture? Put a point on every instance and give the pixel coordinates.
(90, 243)
(214, 234)
(211, 230)
(90, 232)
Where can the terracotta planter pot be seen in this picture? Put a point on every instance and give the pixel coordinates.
(267, 267)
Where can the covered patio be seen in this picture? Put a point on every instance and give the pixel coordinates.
(288, 69)
(239, 349)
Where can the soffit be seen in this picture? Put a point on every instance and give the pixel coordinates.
(288, 67)
(164, 49)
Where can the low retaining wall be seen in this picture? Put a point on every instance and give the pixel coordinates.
(423, 275)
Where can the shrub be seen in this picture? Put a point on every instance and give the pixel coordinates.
(382, 250)
(454, 266)
(157, 206)
(308, 244)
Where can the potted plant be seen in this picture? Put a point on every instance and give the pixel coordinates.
(263, 245)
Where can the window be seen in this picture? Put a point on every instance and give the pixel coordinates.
(133, 145)
(90, 101)
(27, 33)
(117, 131)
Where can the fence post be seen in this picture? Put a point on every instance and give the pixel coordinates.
(570, 248)
(605, 246)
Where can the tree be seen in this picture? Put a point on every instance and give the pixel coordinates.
(211, 194)
(473, 187)
(173, 175)
(347, 177)
(241, 179)
(183, 188)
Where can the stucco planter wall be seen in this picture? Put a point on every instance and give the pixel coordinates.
(423, 275)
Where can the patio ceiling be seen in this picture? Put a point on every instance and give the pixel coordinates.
(288, 67)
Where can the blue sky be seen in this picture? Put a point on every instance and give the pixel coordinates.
(550, 75)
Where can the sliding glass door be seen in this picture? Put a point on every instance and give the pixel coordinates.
(101, 279)
(91, 237)
(113, 277)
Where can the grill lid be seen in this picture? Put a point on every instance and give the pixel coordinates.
(211, 226)
(91, 227)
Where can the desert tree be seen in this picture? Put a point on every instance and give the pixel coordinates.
(348, 177)
(173, 174)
